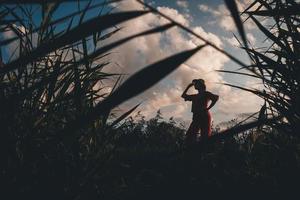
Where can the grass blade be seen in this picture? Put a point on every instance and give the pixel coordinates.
(238, 129)
(123, 116)
(231, 5)
(239, 73)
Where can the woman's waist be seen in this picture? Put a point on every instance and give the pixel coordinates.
(203, 112)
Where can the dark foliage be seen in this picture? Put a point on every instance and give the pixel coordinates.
(59, 139)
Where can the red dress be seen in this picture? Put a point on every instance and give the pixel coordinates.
(201, 116)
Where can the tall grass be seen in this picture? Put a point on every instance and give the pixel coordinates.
(54, 107)
(277, 64)
(51, 76)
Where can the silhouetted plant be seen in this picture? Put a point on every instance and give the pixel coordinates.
(277, 64)
(57, 138)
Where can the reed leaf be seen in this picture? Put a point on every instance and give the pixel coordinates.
(123, 116)
(231, 5)
(291, 10)
(243, 127)
(239, 73)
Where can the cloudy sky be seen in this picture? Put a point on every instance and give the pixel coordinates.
(212, 21)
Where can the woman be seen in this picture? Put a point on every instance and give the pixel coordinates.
(201, 116)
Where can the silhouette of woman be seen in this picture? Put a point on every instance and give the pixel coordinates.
(200, 109)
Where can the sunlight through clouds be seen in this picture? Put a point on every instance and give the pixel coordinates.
(145, 50)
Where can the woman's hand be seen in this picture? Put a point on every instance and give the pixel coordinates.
(184, 95)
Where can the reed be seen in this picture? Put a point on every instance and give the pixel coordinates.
(59, 136)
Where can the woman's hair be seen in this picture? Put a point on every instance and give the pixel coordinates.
(200, 84)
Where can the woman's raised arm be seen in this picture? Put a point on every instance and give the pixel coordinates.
(184, 94)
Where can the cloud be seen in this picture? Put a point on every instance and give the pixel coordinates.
(233, 101)
(232, 41)
(221, 14)
(203, 7)
(251, 38)
(171, 12)
(182, 3)
(185, 7)
(223, 17)
(206, 8)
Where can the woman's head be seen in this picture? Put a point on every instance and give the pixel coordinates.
(199, 84)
